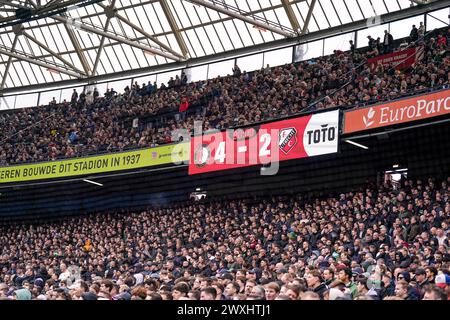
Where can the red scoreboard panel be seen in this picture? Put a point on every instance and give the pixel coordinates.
(301, 137)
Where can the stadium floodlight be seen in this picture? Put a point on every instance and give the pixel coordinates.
(357, 144)
(93, 182)
(395, 166)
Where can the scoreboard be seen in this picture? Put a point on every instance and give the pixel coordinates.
(295, 138)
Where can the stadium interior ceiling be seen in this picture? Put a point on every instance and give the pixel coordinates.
(54, 42)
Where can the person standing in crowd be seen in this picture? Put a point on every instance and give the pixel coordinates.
(388, 42)
(236, 71)
(372, 43)
(414, 34)
(421, 31)
(74, 98)
(352, 47)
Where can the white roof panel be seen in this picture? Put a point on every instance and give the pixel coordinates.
(205, 27)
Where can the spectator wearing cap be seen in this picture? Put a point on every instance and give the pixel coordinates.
(421, 278)
(442, 280)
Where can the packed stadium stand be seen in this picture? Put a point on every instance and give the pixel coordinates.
(86, 125)
(284, 244)
(93, 205)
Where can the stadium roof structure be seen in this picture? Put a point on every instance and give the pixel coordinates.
(45, 42)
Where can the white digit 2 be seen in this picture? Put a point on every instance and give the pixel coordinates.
(265, 139)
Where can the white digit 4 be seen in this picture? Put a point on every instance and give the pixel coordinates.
(220, 153)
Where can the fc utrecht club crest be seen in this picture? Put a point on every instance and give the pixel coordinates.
(288, 139)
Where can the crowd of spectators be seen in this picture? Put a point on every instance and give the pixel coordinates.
(381, 242)
(90, 123)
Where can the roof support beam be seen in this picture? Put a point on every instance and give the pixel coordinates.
(174, 26)
(76, 45)
(308, 17)
(291, 15)
(31, 2)
(21, 57)
(422, 1)
(142, 31)
(5, 75)
(11, 4)
(117, 38)
(109, 15)
(54, 54)
(241, 17)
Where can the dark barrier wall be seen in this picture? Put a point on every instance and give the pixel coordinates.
(425, 151)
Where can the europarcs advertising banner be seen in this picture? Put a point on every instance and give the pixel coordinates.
(171, 154)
